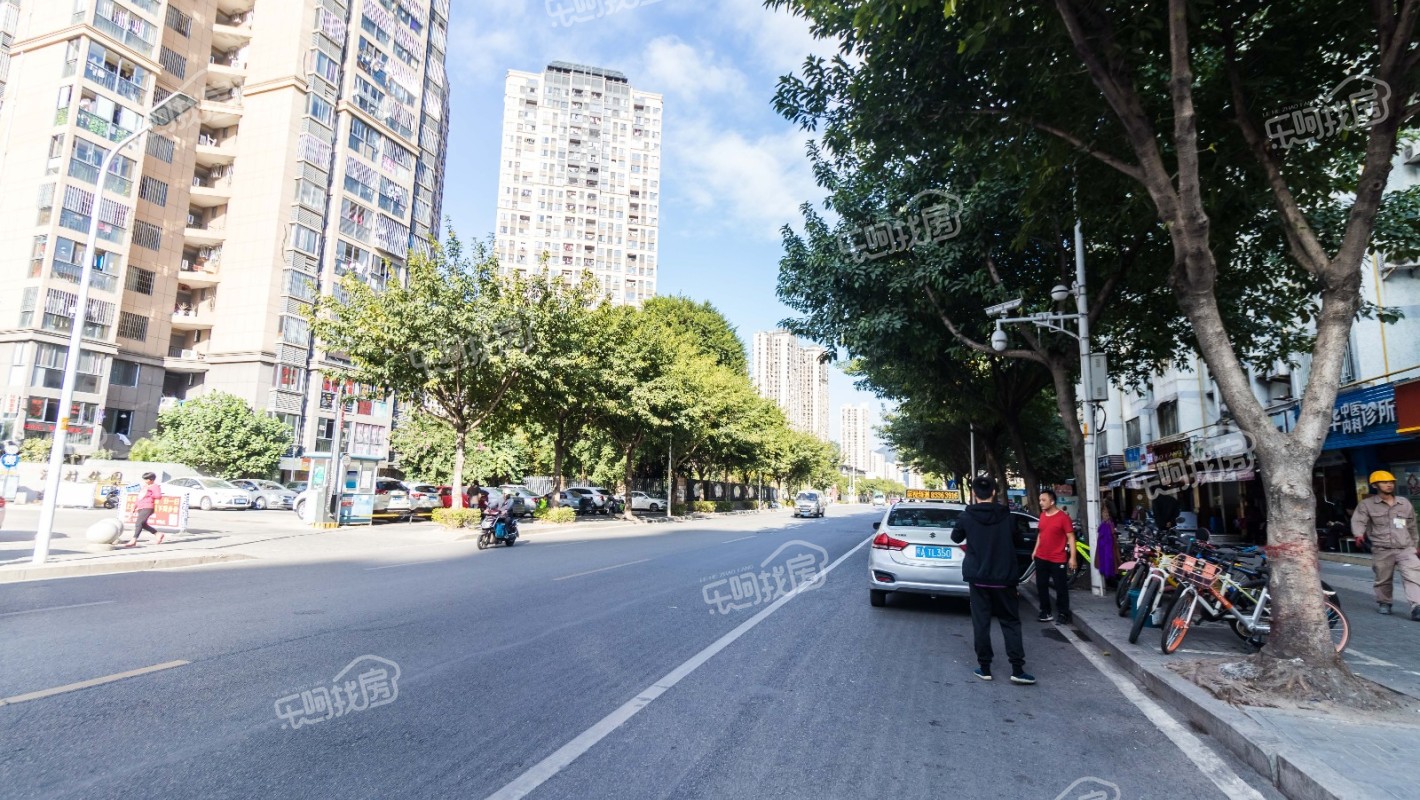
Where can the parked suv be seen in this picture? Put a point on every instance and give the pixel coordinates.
(589, 499)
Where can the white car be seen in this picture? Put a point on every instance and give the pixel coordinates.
(809, 504)
(423, 497)
(266, 494)
(599, 497)
(640, 501)
(879, 499)
(913, 550)
(208, 493)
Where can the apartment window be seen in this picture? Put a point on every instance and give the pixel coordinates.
(146, 234)
(326, 67)
(322, 111)
(365, 140)
(49, 368)
(294, 330)
(56, 153)
(118, 421)
(301, 286)
(290, 378)
(140, 280)
(154, 191)
(360, 180)
(1133, 437)
(132, 326)
(355, 220)
(59, 307)
(393, 197)
(305, 239)
(160, 147)
(179, 21)
(310, 195)
(46, 204)
(1168, 418)
(28, 298)
(173, 62)
(124, 373)
(372, 27)
(349, 258)
(367, 96)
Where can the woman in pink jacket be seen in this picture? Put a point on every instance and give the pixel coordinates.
(147, 500)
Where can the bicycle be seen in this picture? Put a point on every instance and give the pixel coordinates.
(1205, 594)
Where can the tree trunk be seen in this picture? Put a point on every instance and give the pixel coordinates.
(997, 470)
(559, 456)
(1065, 401)
(630, 468)
(460, 440)
(1028, 473)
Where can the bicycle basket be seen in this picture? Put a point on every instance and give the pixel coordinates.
(1194, 570)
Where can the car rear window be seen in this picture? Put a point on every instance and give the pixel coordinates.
(923, 518)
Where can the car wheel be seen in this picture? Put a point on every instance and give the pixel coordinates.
(206, 504)
(260, 504)
(300, 509)
(877, 597)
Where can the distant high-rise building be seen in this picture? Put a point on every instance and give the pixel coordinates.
(857, 437)
(579, 181)
(316, 150)
(795, 377)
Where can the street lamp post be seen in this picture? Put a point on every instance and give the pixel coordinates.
(172, 107)
(1088, 379)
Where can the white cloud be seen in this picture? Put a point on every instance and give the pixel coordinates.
(675, 68)
(752, 184)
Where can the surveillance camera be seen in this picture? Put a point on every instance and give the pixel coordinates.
(998, 341)
(1060, 293)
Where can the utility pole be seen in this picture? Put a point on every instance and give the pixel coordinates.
(670, 477)
(335, 475)
(1092, 490)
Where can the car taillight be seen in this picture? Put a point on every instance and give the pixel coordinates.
(884, 542)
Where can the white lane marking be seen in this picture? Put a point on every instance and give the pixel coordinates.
(603, 569)
(547, 768)
(1368, 660)
(1204, 758)
(56, 608)
(73, 687)
(741, 539)
(1207, 652)
(397, 566)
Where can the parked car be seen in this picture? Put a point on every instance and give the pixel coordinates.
(640, 501)
(879, 499)
(525, 503)
(913, 550)
(266, 494)
(391, 498)
(601, 498)
(582, 500)
(423, 497)
(298, 486)
(809, 504)
(208, 493)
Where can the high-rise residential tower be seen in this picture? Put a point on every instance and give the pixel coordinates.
(317, 151)
(857, 437)
(795, 377)
(579, 182)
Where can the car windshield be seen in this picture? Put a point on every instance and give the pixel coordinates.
(807, 497)
(923, 517)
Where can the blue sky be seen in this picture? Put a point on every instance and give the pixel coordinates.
(733, 170)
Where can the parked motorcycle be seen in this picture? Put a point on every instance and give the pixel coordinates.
(495, 528)
(111, 497)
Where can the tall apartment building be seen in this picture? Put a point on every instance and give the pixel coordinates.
(579, 181)
(795, 377)
(317, 150)
(857, 437)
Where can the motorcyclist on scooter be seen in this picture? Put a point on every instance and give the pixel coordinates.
(504, 512)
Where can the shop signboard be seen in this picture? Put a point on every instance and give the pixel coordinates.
(1133, 458)
(1176, 450)
(1363, 417)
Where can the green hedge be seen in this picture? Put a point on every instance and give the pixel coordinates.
(677, 509)
(703, 507)
(556, 516)
(724, 505)
(455, 518)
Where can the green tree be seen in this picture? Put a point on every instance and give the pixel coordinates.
(219, 434)
(454, 339)
(1170, 99)
(35, 449)
(145, 449)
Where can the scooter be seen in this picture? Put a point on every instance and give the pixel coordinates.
(497, 527)
(111, 495)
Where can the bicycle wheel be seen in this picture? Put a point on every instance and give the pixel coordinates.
(1121, 593)
(1178, 620)
(1143, 610)
(1338, 624)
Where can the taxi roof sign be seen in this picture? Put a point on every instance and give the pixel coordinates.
(939, 495)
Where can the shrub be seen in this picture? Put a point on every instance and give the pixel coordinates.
(677, 509)
(724, 505)
(557, 516)
(145, 450)
(703, 507)
(455, 518)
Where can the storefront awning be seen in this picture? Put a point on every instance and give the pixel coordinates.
(1227, 476)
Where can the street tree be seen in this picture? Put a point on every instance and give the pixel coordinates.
(454, 339)
(1180, 100)
(219, 434)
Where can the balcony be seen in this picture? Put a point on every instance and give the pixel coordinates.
(231, 30)
(222, 108)
(100, 127)
(187, 360)
(71, 273)
(135, 32)
(231, 8)
(213, 151)
(225, 72)
(192, 317)
(125, 88)
(200, 268)
(205, 231)
(210, 190)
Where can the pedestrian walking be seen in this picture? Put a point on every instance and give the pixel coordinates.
(147, 500)
(1388, 522)
(1054, 549)
(990, 570)
(1106, 550)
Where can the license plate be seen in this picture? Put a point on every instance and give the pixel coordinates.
(934, 552)
(399, 502)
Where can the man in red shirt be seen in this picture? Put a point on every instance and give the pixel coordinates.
(1054, 548)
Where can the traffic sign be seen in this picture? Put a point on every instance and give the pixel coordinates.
(9, 461)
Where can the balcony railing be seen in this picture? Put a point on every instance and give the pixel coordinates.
(131, 36)
(186, 354)
(112, 81)
(102, 127)
(72, 272)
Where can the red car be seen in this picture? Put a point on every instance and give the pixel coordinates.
(446, 497)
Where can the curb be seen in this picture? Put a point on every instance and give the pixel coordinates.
(1348, 558)
(63, 570)
(1296, 773)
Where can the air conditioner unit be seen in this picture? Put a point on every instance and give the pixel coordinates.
(1281, 372)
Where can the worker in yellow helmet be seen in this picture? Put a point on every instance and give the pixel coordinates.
(1389, 523)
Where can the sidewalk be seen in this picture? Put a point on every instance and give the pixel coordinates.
(231, 536)
(1306, 754)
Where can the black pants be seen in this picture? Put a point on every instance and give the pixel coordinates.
(1005, 606)
(141, 523)
(1047, 573)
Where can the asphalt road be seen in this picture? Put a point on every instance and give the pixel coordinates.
(590, 667)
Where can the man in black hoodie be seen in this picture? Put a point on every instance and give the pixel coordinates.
(990, 569)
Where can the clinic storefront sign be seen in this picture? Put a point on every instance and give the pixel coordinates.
(1363, 417)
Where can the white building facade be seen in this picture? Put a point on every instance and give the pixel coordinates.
(795, 377)
(579, 181)
(857, 437)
